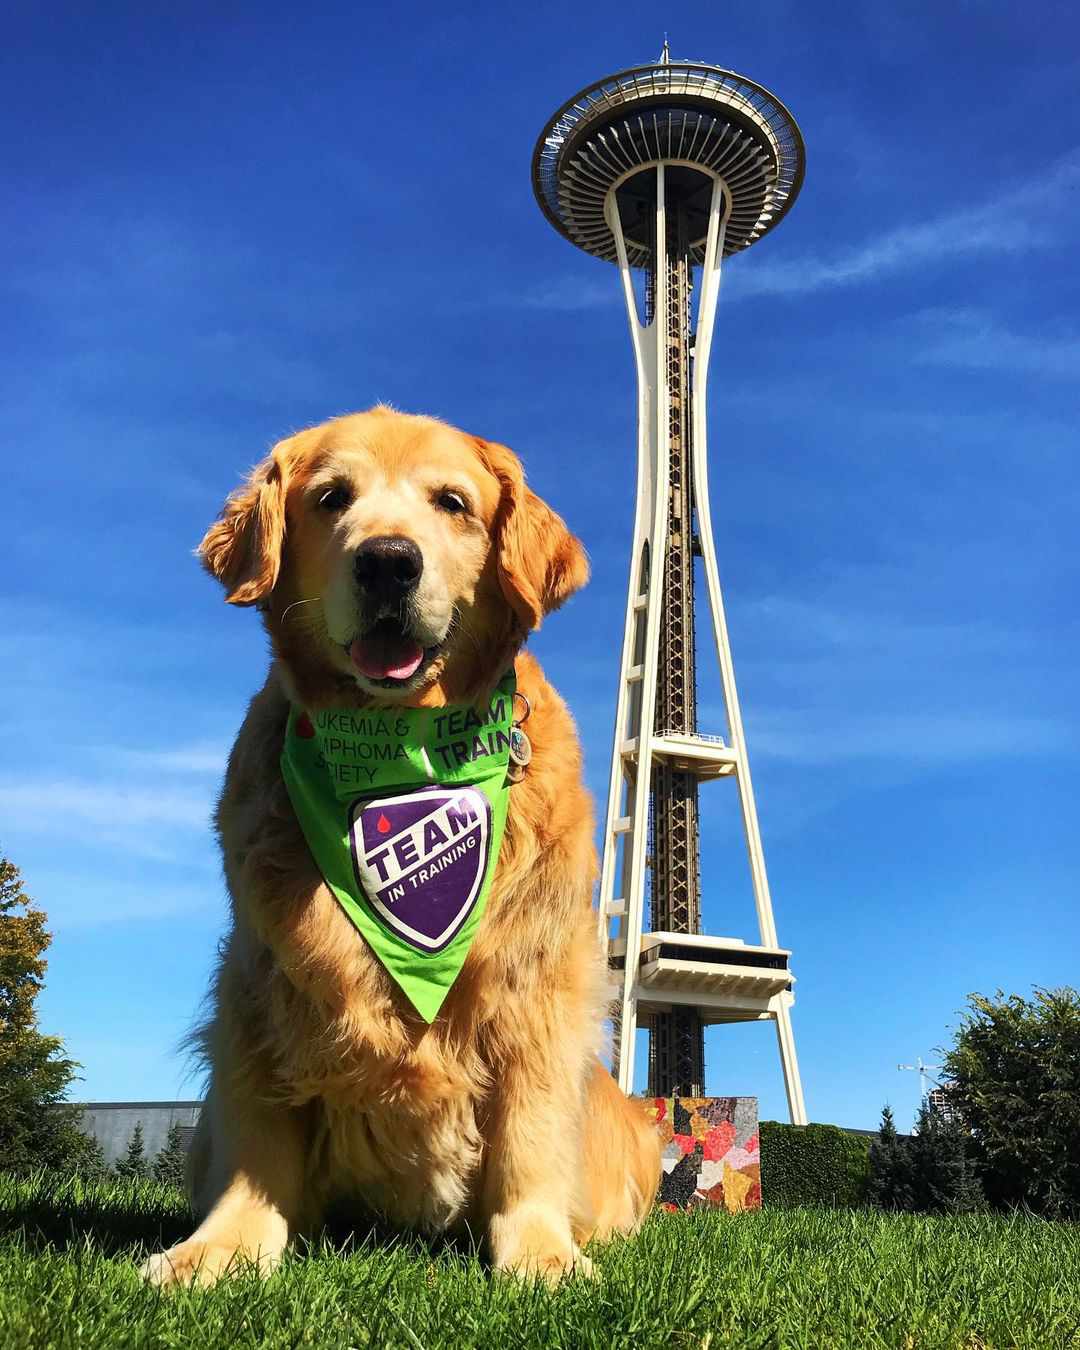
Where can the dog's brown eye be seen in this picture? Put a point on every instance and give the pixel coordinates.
(453, 502)
(335, 499)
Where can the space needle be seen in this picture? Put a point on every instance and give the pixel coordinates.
(665, 170)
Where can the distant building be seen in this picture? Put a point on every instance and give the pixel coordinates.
(112, 1124)
(940, 1101)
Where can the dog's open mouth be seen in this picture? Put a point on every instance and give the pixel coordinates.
(387, 654)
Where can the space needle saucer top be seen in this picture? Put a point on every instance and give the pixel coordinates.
(701, 121)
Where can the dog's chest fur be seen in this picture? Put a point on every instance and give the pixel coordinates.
(396, 1109)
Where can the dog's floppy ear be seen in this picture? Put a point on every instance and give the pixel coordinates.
(243, 546)
(540, 562)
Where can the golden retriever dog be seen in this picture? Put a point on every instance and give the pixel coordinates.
(399, 562)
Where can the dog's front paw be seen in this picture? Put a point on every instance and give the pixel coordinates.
(537, 1245)
(203, 1263)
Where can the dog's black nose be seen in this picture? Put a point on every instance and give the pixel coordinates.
(387, 567)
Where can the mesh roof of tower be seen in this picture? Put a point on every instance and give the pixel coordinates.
(686, 112)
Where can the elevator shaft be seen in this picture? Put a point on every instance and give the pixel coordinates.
(676, 1043)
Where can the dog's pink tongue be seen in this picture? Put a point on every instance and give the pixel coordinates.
(386, 658)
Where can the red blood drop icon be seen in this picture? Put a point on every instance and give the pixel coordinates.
(304, 729)
(382, 825)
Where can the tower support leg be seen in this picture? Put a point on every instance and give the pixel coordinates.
(792, 1082)
(634, 721)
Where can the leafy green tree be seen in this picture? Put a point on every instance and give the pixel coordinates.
(133, 1164)
(37, 1127)
(891, 1184)
(1015, 1071)
(170, 1163)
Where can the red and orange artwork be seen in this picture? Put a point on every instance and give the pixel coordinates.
(710, 1152)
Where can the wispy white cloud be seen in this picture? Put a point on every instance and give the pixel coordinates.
(115, 754)
(73, 806)
(830, 735)
(151, 804)
(975, 340)
(1030, 215)
(201, 759)
(86, 900)
(831, 684)
(835, 680)
(878, 638)
(567, 294)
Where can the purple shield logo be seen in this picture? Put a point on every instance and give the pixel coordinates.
(420, 859)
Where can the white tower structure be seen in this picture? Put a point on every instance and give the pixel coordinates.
(670, 168)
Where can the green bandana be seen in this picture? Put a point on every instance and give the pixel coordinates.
(403, 810)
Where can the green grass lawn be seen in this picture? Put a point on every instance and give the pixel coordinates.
(774, 1278)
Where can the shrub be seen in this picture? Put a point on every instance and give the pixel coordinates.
(812, 1165)
(1015, 1071)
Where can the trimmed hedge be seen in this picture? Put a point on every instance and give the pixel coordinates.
(813, 1165)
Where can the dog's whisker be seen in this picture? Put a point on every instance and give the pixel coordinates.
(289, 608)
(456, 626)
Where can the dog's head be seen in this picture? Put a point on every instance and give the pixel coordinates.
(393, 552)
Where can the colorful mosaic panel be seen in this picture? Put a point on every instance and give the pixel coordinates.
(710, 1152)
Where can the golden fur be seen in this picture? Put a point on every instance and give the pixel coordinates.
(324, 1082)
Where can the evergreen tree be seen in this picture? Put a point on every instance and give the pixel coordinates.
(91, 1162)
(133, 1164)
(890, 1184)
(37, 1127)
(170, 1163)
(943, 1175)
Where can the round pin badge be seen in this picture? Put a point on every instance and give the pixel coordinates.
(520, 747)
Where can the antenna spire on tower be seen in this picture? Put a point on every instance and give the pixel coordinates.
(665, 53)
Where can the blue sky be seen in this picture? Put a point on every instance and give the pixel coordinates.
(225, 223)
